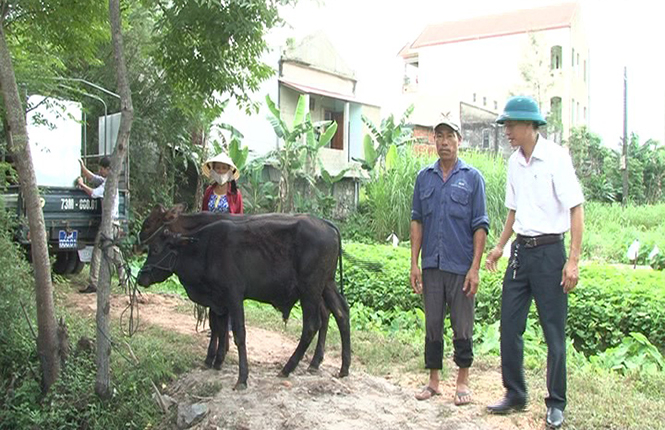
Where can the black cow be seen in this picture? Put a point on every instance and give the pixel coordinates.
(273, 258)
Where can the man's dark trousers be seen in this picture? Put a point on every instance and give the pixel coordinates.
(538, 275)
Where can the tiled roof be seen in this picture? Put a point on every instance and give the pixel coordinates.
(515, 22)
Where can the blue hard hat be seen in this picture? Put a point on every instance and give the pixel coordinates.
(521, 108)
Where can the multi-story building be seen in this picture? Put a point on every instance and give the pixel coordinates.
(467, 69)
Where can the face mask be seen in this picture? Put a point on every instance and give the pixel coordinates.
(221, 179)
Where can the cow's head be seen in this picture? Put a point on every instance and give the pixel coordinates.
(157, 234)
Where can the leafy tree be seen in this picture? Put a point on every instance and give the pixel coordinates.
(594, 163)
(651, 172)
(598, 168)
(103, 338)
(40, 38)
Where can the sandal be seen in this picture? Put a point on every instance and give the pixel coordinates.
(427, 393)
(462, 398)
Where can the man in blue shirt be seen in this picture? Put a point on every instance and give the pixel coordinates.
(449, 225)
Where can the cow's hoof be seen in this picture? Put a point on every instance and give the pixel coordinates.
(313, 370)
(240, 386)
(282, 374)
(343, 373)
(218, 366)
(208, 363)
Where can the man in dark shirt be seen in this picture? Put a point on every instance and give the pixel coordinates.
(449, 225)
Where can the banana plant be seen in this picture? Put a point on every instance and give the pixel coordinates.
(379, 141)
(238, 155)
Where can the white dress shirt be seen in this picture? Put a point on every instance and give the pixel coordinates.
(542, 190)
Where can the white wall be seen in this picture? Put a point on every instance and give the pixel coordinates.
(490, 68)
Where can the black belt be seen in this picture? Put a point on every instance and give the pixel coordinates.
(534, 241)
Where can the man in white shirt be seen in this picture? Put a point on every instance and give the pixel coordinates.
(98, 182)
(544, 201)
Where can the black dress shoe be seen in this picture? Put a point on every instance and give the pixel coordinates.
(506, 406)
(90, 289)
(554, 418)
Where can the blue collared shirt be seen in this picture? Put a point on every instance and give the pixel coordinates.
(450, 212)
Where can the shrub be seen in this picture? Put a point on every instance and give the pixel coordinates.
(608, 305)
(611, 303)
(378, 277)
(16, 295)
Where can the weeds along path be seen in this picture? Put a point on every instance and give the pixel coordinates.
(307, 401)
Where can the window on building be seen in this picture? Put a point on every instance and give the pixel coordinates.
(573, 58)
(496, 105)
(484, 101)
(474, 97)
(584, 70)
(556, 57)
(578, 59)
(486, 139)
(555, 111)
(572, 112)
(337, 141)
(585, 114)
(410, 76)
(577, 111)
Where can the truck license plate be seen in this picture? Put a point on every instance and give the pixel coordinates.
(67, 240)
(85, 254)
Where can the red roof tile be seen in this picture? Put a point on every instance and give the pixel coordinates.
(515, 22)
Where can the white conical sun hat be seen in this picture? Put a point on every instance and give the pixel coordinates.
(220, 158)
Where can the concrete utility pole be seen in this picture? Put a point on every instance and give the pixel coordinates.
(624, 156)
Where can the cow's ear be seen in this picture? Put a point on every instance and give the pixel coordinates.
(174, 212)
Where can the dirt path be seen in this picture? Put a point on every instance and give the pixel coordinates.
(307, 401)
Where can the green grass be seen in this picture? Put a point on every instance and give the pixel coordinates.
(609, 230)
(72, 403)
(597, 399)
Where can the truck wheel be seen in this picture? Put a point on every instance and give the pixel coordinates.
(79, 266)
(72, 263)
(61, 262)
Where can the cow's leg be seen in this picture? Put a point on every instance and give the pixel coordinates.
(223, 335)
(337, 304)
(238, 326)
(214, 338)
(321, 342)
(311, 321)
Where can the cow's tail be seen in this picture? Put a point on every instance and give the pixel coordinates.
(339, 258)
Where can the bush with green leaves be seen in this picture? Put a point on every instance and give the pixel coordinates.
(608, 305)
(17, 306)
(634, 353)
(378, 277)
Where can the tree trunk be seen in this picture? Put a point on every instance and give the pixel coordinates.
(47, 338)
(103, 383)
(200, 136)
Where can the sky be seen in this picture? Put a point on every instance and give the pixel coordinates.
(368, 34)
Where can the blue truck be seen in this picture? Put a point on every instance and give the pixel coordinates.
(56, 134)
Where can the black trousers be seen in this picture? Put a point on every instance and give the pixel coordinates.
(538, 275)
(443, 290)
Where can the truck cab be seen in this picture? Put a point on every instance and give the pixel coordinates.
(57, 135)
